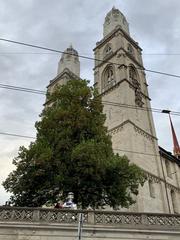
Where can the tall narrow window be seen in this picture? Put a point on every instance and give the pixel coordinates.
(109, 75)
(151, 189)
(168, 168)
(174, 201)
(133, 77)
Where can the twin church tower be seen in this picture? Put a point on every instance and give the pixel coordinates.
(121, 81)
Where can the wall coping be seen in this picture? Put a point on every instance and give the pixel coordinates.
(98, 218)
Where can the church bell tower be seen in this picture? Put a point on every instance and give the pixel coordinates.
(68, 68)
(121, 81)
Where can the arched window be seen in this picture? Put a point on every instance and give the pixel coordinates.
(108, 78)
(107, 50)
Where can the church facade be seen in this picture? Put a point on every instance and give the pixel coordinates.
(120, 79)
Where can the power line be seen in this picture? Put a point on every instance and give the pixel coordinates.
(16, 135)
(22, 89)
(86, 57)
(133, 107)
(162, 54)
(116, 149)
(46, 53)
(36, 91)
(156, 110)
(24, 53)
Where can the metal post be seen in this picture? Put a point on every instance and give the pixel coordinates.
(80, 225)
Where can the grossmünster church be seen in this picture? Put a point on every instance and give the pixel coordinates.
(121, 81)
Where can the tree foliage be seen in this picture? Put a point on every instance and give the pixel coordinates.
(73, 153)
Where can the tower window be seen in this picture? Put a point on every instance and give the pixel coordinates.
(130, 49)
(108, 78)
(133, 77)
(107, 50)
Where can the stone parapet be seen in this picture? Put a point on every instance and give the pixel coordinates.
(52, 224)
(105, 218)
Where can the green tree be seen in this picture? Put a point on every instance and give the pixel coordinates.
(73, 153)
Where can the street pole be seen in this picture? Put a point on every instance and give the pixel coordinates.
(80, 225)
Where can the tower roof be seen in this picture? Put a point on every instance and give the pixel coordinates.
(113, 19)
(69, 60)
(70, 50)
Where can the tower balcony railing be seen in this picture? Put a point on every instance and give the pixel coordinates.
(98, 218)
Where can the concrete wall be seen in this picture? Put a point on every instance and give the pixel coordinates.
(23, 231)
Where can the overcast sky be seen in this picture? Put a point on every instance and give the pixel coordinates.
(56, 24)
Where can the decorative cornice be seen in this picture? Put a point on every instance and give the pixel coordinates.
(144, 133)
(136, 128)
(132, 57)
(157, 179)
(117, 85)
(112, 54)
(112, 88)
(66, 71)
(114, 33)
(152, 177)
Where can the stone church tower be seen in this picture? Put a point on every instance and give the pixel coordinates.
(68, 68)
(121, 81)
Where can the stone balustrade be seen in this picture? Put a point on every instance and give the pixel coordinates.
(105, 218)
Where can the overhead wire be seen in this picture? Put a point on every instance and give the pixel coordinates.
(116, 149)
(86, 57)
(23, 89)
(162, 54)
(46, 53)
(36, 91)
(81, 56)
(156, 110)
(16, 135)
(25, 53)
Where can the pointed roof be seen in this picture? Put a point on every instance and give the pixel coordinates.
(176, 148)
(70, 50)
(113, 19)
